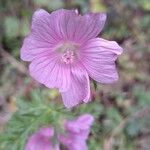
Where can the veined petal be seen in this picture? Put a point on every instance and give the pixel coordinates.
(50, 72)
(79, 90)
(98, 56)
(42, 38)
(33, 48)
(60, 25)
(42, 27)
(71, 26)
(64, 23)
(89, 26)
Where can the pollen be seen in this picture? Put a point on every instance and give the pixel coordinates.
(68, 57)
(68, 52)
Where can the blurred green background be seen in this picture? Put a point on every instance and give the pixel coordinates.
(122, 110)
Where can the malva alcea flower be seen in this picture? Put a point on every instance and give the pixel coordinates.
(42, 140)
(64, 51)
(77, 132)
(74, 138)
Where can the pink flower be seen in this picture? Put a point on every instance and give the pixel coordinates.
(77, 132)
(64, 51)
(41, 140)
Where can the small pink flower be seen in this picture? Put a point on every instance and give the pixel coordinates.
(41, 140)
(64, 51)
(77, 132)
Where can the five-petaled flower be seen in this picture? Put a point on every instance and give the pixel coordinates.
(64, 52)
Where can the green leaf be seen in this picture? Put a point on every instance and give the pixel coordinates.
(31, 115)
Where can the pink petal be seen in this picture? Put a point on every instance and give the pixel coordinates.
(98, 56)
(88, 26)
(48, 30)
(73, 143)
(63, 22)
(65, 140)
(49, 71)
(84, 122)
(42, 38)
(78, 145)
(79, 90)
(77, 132)
(42, 27)
(32, 48)
(47, 132)
(41, 140)
(71, 26)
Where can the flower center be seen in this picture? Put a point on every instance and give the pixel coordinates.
(68, 52)
(68, 57)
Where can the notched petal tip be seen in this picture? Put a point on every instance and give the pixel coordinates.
(38, 15)
(103, 16)
(63, 11)
(40, 12)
